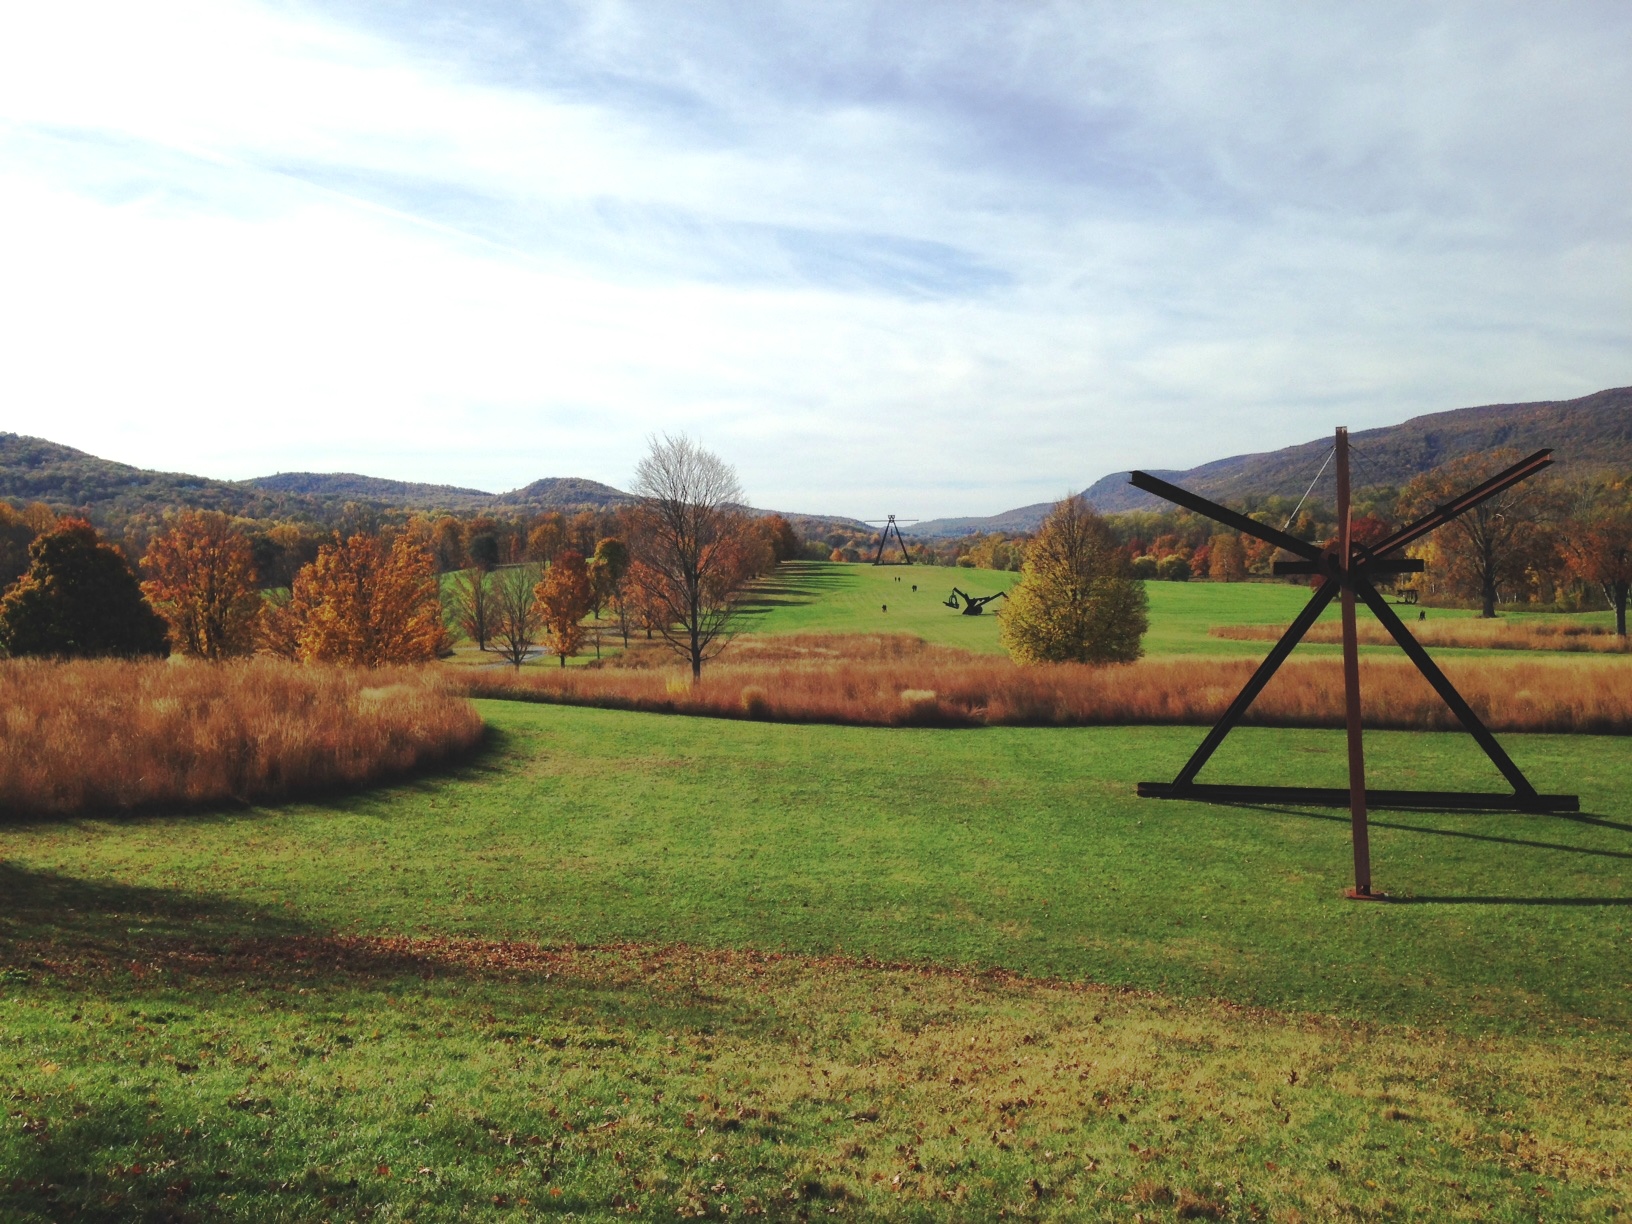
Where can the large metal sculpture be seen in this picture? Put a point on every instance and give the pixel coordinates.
(891, 524)
(973, 605)
(1349, 571)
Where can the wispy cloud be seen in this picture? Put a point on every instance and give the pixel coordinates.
(949, 258)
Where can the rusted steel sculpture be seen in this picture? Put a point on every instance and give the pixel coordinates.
(891, 524)
(1349, 571)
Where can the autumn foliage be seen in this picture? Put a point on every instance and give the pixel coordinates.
(109, 734)
(363, 602)
(565, 597)
(201, 579)
(1074, 602)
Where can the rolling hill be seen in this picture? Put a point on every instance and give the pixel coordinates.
(73, 481)
(1589, 435)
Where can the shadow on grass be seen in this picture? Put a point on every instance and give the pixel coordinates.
(1483, 837)
(1512, 900)
(182, 966)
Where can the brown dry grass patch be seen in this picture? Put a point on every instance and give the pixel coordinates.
(905, 682)
(1476, 634)
(110, 734)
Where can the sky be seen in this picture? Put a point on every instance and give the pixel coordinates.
(925, 259)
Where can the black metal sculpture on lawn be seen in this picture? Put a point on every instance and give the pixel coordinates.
(891, 524)
(1349, 571)
(973, 605)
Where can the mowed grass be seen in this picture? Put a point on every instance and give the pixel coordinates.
(153, 1008)
(628, 963)
(826, 597)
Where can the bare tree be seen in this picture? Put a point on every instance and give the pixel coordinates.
(469, 598)
(516, 615)
(686, 534)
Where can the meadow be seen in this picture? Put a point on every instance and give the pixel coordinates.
(629, 963)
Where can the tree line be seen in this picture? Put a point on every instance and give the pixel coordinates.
(673, 565)
(1546, 543)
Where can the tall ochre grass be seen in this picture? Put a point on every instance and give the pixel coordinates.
(1464, 632)
(109, 734)
(880, 682)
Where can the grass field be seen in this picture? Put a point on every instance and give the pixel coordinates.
(676, 967)
(819, 597)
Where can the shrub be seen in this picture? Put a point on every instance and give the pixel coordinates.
(1173, 568)
(85, 736)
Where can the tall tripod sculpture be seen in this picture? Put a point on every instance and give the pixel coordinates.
(891, 524)
(1348, 572)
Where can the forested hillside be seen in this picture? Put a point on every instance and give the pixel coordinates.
(1589, 436)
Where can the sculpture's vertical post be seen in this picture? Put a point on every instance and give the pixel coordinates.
(1351, 676)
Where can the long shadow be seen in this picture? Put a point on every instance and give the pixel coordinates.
(1513, 900)
(175, 954)
(1408, 828)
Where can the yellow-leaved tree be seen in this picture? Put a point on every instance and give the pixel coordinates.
(1075, 602)
(201, 579)
(362, 602)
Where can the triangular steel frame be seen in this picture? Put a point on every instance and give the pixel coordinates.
(1354, 572)
(891, 524)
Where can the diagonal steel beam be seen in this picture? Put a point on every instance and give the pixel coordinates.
(1443, 686)
(1441, 515)
(1294, 633)
(1221, 514)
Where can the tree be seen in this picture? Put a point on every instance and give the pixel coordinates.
(1074, 603)
(785, 542)
(547, 537)
(366, 603)
(1226, 559)
(607, 569)
(470, 604)
(201, 579)
(516, 615)
(646, 612)
(683, 531)
(565, 597)
(1598, 545)
(19, 529)
(79, 600)
(1496, 543)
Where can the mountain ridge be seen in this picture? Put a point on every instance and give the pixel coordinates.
(1589, 435)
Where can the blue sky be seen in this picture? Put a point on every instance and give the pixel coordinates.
(923, 259)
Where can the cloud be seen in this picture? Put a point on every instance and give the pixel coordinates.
(946, 259)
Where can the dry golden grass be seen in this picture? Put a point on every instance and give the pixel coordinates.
(905, 682)
(103, 734)
(1477, 634)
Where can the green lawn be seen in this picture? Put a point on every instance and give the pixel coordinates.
(686, 967)
(1016, 848)
(825, 597)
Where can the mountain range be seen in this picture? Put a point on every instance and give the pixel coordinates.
(69, 480)
(1588, 436)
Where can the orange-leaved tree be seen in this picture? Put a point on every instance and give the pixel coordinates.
(565, 596)
(201, 579)
(366, 603)
(1598, 544)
